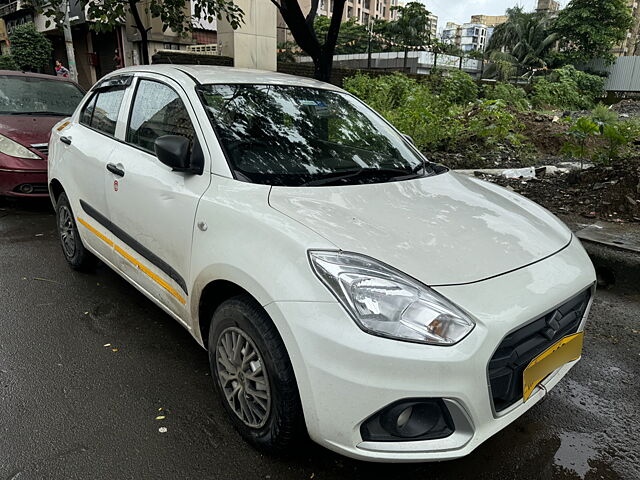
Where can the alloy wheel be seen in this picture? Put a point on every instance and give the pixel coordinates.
(67, 231)
(243, 377)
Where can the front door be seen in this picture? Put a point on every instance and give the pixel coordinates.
(153, 208)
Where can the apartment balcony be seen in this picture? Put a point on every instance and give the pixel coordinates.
(12, 7)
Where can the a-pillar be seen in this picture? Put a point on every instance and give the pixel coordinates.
(253, 44)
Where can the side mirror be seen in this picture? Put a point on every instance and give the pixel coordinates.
(173, 151)
(408, 138)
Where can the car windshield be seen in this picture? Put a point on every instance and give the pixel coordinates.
(295, 135)
(26, 95)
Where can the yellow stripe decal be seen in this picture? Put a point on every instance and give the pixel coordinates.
(134, 262)
(96, 233)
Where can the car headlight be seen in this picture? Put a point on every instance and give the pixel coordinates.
(14, 149)
(388, 303)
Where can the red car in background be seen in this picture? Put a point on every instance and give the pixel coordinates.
(30, 104)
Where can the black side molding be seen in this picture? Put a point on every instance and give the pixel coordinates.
(135, 245)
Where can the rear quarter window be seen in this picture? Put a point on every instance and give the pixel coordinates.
(101, 111)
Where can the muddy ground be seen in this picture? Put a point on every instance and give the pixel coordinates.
(605, 192)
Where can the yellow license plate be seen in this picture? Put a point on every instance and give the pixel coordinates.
(566, 350)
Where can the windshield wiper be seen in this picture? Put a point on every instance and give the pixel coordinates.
(337, 177)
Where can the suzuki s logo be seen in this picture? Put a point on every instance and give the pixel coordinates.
(115, 185)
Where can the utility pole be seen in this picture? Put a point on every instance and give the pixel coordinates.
(68, 41)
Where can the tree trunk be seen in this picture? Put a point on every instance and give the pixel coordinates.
(322, 66)
(305, 36)
(144, 40)
(404, 62)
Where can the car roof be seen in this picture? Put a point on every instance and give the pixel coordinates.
(222, 75)
(19, 73)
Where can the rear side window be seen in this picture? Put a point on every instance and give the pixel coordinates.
(157, 110)
(101, 112)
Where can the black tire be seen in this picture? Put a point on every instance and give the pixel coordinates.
(77, 256)
(283, 423)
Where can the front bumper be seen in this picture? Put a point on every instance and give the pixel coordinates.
(15, 172)
(344, 375)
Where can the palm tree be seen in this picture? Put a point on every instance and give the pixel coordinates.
(412, 28)
(522, 41)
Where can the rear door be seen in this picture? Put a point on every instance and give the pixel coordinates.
(153, 209)
(87, 148)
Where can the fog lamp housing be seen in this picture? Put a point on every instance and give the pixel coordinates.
(409, 420)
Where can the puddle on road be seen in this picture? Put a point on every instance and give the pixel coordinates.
(576, 449)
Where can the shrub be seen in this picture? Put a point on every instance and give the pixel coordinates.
(494, 123)
(567, 88)
(412, 107)
(30, 48)
(439, 113)
(617, 137)
(511, 95)
(455, 86)
(381, 93)
(603, 116)
(579, 134)
(589, 85)
(7, 62)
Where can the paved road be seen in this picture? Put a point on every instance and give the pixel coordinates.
(73, 408)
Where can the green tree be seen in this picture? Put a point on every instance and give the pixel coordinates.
(106, 15)
(591, 28)
(353, 37)
(30, 49)
(412, 28)
(524, 40)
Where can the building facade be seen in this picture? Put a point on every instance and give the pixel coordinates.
(362, 11)
(433, 25)
(490, 21)
(548, 6)
(468, 37)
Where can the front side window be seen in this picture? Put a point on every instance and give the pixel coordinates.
(294, 135)
(157, 110)
(101, 112)
(37, 96)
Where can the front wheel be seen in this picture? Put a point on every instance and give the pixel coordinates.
(74, 252)
(253, 375)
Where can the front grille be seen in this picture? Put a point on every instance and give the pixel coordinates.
(520, 347)
(43, 148)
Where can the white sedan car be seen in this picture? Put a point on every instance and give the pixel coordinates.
(342, 284)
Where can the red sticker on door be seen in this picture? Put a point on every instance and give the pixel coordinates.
(115, 185)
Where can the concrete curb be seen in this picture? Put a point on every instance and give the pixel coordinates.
(616, 268)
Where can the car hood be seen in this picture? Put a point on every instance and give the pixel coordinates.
(442, 230)
(27, 129)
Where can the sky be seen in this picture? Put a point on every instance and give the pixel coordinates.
(460, 11)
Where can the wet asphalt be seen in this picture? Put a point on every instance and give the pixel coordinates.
(87, 364)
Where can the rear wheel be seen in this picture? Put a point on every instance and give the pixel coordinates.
(253, 375)
(76, 255)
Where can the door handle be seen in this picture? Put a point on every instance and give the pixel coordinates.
(115, 170)
(66, 140)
